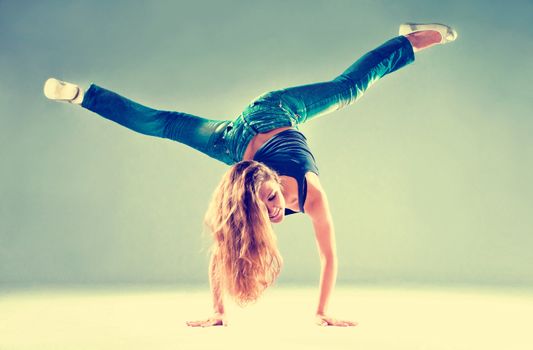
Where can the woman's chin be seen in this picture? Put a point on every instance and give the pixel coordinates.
(278, 218)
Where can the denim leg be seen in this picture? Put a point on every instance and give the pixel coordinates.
(313, 100)
(204, 135)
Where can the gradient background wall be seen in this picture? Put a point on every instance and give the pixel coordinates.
(428, 176)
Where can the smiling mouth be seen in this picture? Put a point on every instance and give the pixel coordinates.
(277, 213)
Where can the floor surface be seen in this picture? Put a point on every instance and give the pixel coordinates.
(150, 318)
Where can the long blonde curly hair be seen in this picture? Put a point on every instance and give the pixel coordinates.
(244, 249)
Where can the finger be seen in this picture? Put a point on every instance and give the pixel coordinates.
(207, 323)
(350, 323)
(335, 322)
(196, 323)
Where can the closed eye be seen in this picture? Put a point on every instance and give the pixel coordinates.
(274, 196)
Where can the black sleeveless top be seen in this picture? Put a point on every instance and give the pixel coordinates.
(288, 154)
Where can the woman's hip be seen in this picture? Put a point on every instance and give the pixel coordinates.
(264, 114)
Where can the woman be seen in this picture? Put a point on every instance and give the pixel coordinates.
(273, 172)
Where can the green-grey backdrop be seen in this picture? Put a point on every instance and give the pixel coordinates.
(428, 176)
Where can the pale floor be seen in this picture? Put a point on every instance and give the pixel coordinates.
(389, 318)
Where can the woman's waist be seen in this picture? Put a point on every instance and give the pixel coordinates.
(260, 139)
(246, 132)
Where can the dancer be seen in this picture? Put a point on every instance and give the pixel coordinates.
(273, 173)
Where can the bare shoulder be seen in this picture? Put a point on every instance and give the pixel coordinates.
(315, 192)
(313, 181)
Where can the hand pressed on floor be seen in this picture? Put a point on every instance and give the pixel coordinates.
(323, 320)
(216, 320)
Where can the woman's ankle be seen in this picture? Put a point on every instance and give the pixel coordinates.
(424, 39)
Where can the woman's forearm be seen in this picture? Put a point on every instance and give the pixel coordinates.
(327, 282)
(216, 288)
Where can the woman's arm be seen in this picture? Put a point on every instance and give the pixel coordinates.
(318, 209)
(216, 287)
(219, 319)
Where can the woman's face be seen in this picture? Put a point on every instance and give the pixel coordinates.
(270, 193)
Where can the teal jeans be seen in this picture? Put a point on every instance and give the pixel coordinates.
(226, 140)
